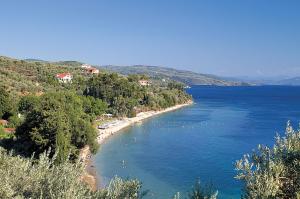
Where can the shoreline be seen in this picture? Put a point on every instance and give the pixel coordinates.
(104, 134)
(89, 175)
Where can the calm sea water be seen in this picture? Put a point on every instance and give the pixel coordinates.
(168, 153)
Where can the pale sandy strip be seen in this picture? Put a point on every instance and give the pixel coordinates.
(125, 122)
(85, 153)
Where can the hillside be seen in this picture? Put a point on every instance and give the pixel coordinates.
(35, 75)
(20, 76)
(187, 77)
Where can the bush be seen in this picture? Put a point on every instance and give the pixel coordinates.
(28, 178)
(273, 172)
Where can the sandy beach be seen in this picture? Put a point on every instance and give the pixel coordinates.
(125, 122)
(103, 134)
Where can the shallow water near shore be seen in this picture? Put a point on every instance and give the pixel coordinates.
(169, 152)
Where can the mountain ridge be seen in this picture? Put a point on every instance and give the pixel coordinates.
(184, 76)
(161, 72)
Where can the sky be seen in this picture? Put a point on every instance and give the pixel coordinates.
(257, 38)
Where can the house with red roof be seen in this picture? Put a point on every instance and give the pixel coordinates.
(64, 77)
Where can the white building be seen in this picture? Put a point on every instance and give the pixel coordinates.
(144, 82)
(64, 77)
(86, 66)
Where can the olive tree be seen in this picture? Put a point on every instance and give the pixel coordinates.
(30, 178)
(273, 172)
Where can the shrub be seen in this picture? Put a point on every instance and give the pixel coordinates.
(28, 178)
(273, 172)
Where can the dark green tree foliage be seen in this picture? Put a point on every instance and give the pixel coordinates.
(27, 103)
(108, 86)
(94, 106)
(121, 94)
(59, 121)
(125, 94)
(6, 104)
(176, 85)
(14, 121)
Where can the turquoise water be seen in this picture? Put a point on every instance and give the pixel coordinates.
(169, 152)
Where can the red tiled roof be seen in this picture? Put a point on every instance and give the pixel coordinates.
(63, 75)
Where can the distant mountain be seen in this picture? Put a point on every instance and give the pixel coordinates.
(295, 81)
(187, 77)
(34, 60)
(276, 80)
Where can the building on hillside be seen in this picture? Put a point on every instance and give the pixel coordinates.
(92, 70)
(86, 66)
(64, 77)
(144, 82)
(3, 122)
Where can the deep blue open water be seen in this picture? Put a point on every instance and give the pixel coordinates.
(168, 153)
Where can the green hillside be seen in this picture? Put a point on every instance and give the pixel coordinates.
(187, 77)
(20, 76)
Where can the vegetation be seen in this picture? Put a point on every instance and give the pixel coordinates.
(200, 192)
(29, 178)
(43, 178)
(273, 172)
(60, 121)
(125, 96)
(57, 118)
(49, 114)
(170, 74)
(21, 77)
(6, 104)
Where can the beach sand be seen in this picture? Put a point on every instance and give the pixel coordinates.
(89, 175)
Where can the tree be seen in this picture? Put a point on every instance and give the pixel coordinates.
(27, 103)
(6, 104)
(176, 85)
(29, 178)
(200, 192)
(94, 106)
(84, 133)
(273, 172)
(57, 122)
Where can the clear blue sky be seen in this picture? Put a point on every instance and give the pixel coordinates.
(225, 37)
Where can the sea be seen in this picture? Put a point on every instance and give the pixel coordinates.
(171, 152)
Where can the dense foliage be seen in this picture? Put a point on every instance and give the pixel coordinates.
(29, 178)
(42, 178)
(6, 104)
(60, 120)
(124, 94)
(273, 172)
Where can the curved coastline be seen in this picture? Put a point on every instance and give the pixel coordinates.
(89, 175)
